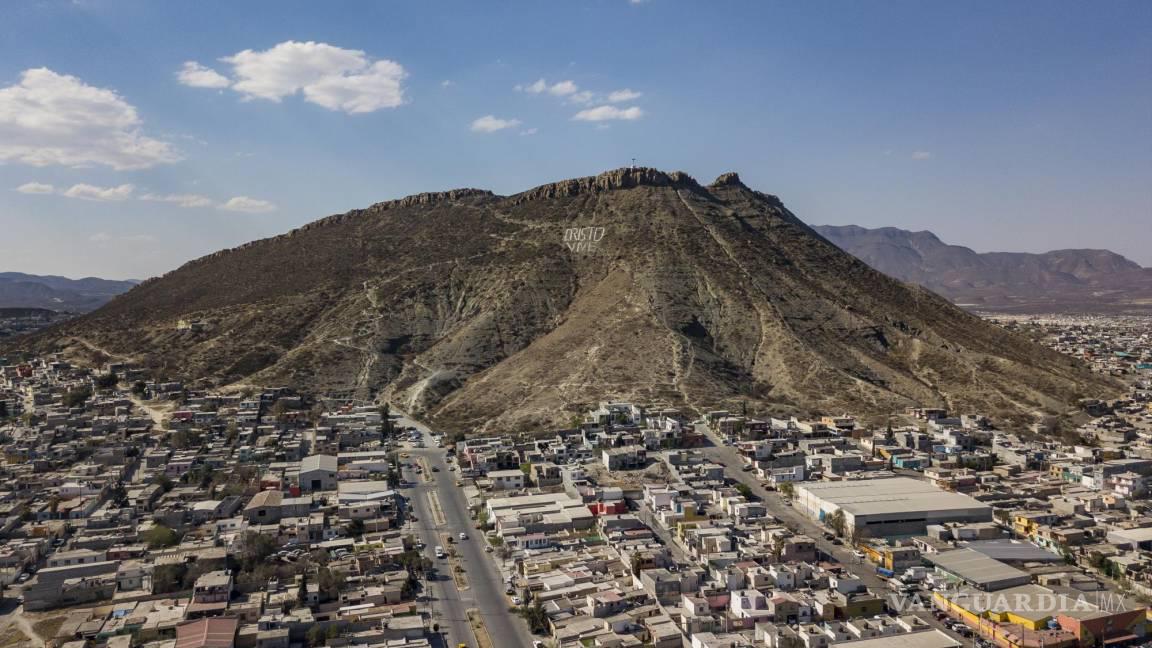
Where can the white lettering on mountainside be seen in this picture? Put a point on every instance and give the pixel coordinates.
(583, 239)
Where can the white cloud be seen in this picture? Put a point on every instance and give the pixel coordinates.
(100, 237)
(627, 94)
(335, 78)
(558, 89)
(183, 200)
(921, 155)
(36, 188)
(584, 96)
(49, 118)
(529, 131)
(563, 88)
(491, 124)
(540, 85)
(106, 194)
(196, 75)
(248, 205)
(605, 113)
(447, 83)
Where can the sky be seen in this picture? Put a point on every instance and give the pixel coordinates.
(135, 136)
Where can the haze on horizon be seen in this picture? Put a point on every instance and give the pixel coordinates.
(135, 136)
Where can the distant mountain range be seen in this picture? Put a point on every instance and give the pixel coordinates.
(486, 312)
(1056, 281)
(61, 294)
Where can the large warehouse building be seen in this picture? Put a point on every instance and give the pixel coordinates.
(882, 508)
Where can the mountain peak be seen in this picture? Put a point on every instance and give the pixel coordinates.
(729, 179)
(622, 178)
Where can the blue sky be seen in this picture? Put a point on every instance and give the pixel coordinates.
(1001, 126)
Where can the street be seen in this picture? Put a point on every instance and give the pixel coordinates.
(729, 457)
(485, 589)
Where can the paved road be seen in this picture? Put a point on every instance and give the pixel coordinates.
(486, 588)
(729, 457)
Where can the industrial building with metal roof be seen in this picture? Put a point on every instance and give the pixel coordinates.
(888, 507)
(978, 570)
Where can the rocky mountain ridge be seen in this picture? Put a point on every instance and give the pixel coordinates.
(469, 308)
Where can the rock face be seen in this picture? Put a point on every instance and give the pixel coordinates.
(488, 312)
(1072, 280)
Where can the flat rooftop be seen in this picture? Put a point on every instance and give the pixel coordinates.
(889, 495)
(976, 567)
(923, 639)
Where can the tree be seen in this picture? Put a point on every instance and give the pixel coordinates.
(118, 495)
(385, 419)
(138, 388)
(331, 582)
(536, 617)
(745, 490)
(78, 396)
(835, 521)
(255, 549)
(168, 578)
(106, 381)
(163, 481)
(356, 528)
(3, 409)
(787, 490)
(159, 537)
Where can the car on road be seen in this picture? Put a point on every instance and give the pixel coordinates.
(748, 468)
(489, 548)
(463, 536)
(440, 552)
(858, 553)
(404, 455)
(516, 600)
(435, 469)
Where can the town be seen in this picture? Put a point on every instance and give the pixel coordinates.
(144, 513)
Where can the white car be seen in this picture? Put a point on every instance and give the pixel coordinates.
(857, 553)
(463, 536)
(516, 600)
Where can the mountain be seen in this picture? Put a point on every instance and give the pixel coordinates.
(1061, 280)
(19, 290)
(515, 312)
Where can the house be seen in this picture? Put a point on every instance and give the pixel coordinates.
(628, 457)
(507, 479)
(210, 594)
(207, 633)
(264, 507)
(317, 473)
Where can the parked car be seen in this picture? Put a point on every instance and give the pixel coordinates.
(463, 536)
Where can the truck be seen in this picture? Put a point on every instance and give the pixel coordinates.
(886, 573)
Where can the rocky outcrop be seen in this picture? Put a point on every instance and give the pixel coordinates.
(623, 178)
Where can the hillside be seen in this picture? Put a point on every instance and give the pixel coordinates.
(1061, 280)
(474, 310)
(61, 294)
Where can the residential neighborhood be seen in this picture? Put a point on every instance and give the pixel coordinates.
(141, 512)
